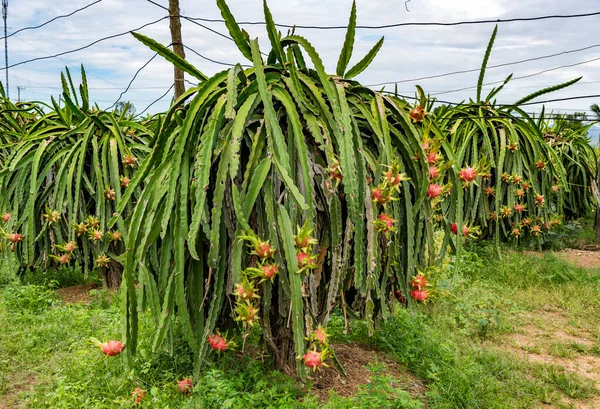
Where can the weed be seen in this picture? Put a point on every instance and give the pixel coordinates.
(28, 298)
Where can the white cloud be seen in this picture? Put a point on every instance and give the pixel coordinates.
(408, 52)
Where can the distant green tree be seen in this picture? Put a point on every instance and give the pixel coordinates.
(576, 121)
(125, 107)
(596, 109)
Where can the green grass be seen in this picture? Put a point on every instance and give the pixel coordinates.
(456, 345)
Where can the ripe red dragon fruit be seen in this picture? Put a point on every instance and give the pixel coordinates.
(434, 190)
(417, 114)
(526, 222)
(244, 291)
(519, 208)
(306, 260)
(505, 177)
(467, 174)
(313, 359)
(517, 179)
(540, 165)
(264, 250)
(70, 247)
(185, 386)
(490, 191)
(454, 228)
(384, 223)
(516, 232)
(418, 281)
(269, 271)
(112, 348)
(425, 144)
(15, 237)
(6, 217)
(526, 186)
(129, 160)
(433, 158)
(380, 196)
(64, 258)
(519, 193)
(320, 335)
(301, 257)
(535, 230)
(218, 343)
(539, 199)
(138, 395)
(434, 172)
(419, 295)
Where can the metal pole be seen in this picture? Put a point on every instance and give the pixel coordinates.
(4, 16)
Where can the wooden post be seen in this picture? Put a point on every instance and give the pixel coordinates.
(175, 26)
(597, 192)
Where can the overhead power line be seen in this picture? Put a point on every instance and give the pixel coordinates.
(407, 24)
(542, 57)
(131, 82)
(210, 59)
(156, 100)
(91, 73)
(497, 105)
(522, 77)
(85, 46)
(53, 19)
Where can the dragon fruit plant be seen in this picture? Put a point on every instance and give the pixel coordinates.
(515, 161)
(264, 181)
(72, 163)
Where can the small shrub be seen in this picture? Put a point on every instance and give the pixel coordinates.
(28, 298)
(63, 276)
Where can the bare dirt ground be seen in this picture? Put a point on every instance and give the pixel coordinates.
(18, 385)
(355, 359)
(581, 258)
(76, 293)
(549, 337)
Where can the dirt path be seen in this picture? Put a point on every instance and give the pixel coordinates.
(355, 359)
(581, 258)
(548, 336)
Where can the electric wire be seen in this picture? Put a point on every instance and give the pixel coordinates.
(522, 77)
(51, 20)
(131, 82)
(407, 24)
(84, 47)
(156, 100)
(488, 68)
(210, 59)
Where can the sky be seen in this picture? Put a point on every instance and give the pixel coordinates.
(408, 52)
